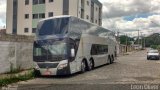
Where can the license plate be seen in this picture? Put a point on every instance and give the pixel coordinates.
(47, 72)
(152, 57)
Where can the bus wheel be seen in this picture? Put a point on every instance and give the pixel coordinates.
(37, 73)
(91, 65)
(110, 60)
(83, 66)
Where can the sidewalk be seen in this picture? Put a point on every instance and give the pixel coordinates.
(128, 53)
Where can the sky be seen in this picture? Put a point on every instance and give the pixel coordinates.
(125, 16)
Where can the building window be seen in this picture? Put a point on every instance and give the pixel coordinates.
(41, 1)
(87, 17)
(26, 2)
(26, 16)
(88, 3)
(42, 15)
(35, 16)
(51, 0)
(50, 14)
(15, 13)
(33, 30)
(26, 30)
(35, 2)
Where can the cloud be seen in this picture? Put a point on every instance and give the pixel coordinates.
(2, 12)
(140, 14)
(119, 8)
(146, 25)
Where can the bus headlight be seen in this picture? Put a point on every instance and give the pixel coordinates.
(36, 66)
(61, 66)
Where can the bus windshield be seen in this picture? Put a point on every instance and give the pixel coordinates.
(53, 26)
(57, 49)
(50, 51)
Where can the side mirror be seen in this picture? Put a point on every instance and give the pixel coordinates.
(72, 52)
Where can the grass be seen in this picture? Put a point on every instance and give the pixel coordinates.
(13, 78)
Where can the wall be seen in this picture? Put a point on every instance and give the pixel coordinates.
(16, 52)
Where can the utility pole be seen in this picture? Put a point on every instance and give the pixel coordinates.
(126, 42)
(138, 38)
(141, 40)
(144, 42)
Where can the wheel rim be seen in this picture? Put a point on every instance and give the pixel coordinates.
(109, 60)
(83, 67)
(91, 64)
(112, 60)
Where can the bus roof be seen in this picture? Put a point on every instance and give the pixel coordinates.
(65, 16)
(61, 16)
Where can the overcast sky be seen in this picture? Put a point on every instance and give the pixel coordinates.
(127, 16)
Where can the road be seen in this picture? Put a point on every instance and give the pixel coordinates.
(127, 70)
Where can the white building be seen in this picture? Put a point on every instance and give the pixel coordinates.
(23, 15)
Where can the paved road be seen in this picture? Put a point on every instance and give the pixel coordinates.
(130, 69)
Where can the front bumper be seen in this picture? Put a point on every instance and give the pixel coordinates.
(153, 57)
(52, 71)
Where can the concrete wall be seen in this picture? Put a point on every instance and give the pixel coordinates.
(17, 52)
(124, 49)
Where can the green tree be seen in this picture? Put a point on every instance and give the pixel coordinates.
(153, 39)
(125, 39)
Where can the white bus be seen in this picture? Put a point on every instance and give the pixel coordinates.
(65, 45)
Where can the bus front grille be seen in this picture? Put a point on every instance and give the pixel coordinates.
(48, 65)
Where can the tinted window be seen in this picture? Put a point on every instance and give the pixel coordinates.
(26, 16)
(26, 2)
(41, 1)
(65, 7)
(50, 14)
(42, 15)
(33, 30)
(35, 16)
(35, 2)
(15, 8)
(26, 30)
(53, 26)
(97, 49)
(51, 0)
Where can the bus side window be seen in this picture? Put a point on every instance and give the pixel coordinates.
(94, 49)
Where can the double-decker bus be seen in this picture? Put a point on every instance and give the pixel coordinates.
(65, 45)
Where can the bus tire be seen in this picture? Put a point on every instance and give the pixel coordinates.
(83, 66)
(37, 73)
(109, 59)
(112, 60)
(91, 64)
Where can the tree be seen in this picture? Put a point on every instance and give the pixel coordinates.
(153, 39)
(125, 39)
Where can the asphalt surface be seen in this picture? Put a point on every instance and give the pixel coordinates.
(129, 72)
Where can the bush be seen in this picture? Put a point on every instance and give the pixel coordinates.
(16, 78)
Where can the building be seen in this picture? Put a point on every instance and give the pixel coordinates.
(23, 15)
